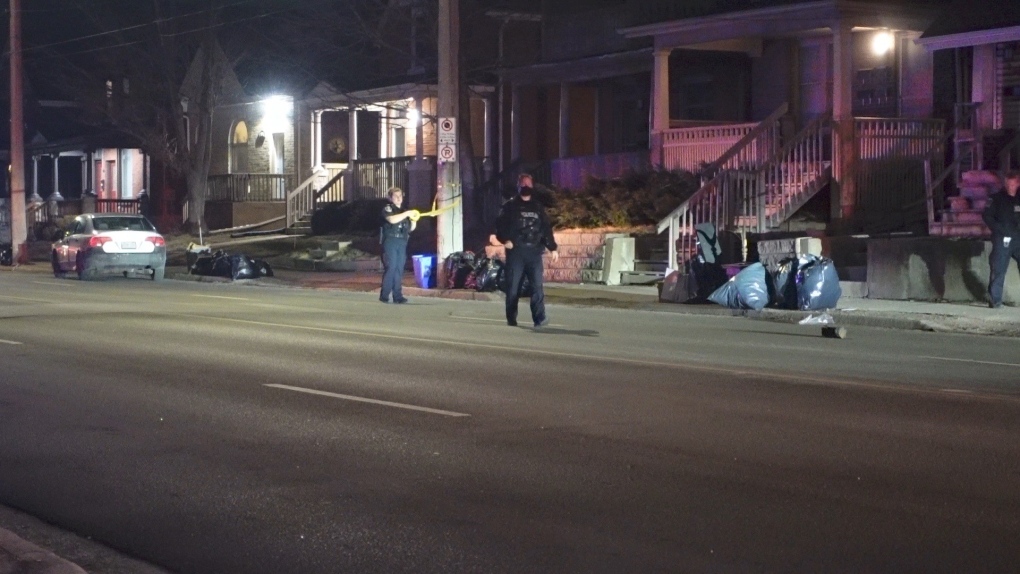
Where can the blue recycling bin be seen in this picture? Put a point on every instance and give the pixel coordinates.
(424, 270)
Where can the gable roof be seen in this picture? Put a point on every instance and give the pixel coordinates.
(973, 23)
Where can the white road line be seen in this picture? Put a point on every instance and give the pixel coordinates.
(64, 284)
(9, 342)
(372, 401)
(221, 297)
(748, 372)
(26, 299)
(974, 361)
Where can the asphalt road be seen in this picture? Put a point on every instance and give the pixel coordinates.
(215, 428)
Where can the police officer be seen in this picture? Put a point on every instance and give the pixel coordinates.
(1003, 217)
(398, 223)
(524, 230)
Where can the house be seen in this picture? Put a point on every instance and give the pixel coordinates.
(980, 40)
(773, 103)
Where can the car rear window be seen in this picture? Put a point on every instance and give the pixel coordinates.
(122, 223)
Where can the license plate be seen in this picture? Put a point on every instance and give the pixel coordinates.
(128, 245)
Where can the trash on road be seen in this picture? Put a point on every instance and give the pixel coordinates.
(746, 290)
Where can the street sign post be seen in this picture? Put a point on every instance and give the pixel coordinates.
(447, 144)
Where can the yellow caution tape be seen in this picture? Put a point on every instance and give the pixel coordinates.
(415, 215)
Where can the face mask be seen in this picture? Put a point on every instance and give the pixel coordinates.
(525, 191)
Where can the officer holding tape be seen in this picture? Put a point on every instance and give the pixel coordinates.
(398, 223)
(524, 230)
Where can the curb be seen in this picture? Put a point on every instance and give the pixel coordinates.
(18, 556)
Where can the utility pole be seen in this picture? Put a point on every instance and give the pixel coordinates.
(19, 223)
(450, 223)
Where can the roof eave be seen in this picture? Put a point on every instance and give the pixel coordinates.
(975, 38)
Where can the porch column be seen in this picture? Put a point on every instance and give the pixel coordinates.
(419, 129)
(350, 179)
(983, 86)
(55, 196)
(35, 198)
(84, 173)
(316, 138)
(598, 121)
(844, 193)
(564, 120)
(515, 123)
(659, 104)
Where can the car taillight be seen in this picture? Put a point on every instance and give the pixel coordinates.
(157, 241)
(98, 240)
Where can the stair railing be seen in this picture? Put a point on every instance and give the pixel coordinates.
(337, 178)
(794, 175)
(301, 200)
(717, 200)
(1006, 154)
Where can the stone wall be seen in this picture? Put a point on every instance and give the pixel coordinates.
(581, 257)
(934, 269)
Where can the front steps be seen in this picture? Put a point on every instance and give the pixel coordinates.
(962, 216)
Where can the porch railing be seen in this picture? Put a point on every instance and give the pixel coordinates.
(691, 149)
(372, 178)
(243, 187)
(126, 206)
(732, 183)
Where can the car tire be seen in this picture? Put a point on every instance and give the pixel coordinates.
(86, 270)
(158, 273)
(56, 265)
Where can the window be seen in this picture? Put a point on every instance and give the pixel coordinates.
(238, 148)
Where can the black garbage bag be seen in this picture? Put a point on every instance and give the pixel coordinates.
(703, 279)
(6, 255)
(205, 264)
(459, 267)
(783, 284)
(817, 284)
(488, 274)
(748, 290)
(242, 267)
(262, 268)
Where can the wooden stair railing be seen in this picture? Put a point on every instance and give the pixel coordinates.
(713, 203)
(301, 200)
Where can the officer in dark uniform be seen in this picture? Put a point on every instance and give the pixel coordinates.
(1002, 216)
(524, 230)
(398, 223)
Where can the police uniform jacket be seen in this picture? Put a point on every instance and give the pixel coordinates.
(1002, 215)
(526, 224)
(399, 230)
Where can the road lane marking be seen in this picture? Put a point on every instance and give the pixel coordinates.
(25, 299)
(9, 342)
(750, 372)
(974, 361)
(371, 401)
(222, 297)
(64, 284)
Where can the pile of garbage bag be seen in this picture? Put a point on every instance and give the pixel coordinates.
(222, 264)
(467, 270)
(807, 283)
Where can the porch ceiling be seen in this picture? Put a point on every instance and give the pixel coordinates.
(803, 19)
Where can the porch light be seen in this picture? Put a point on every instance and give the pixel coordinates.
(275, 112)
(882, 43)
(412, 116)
